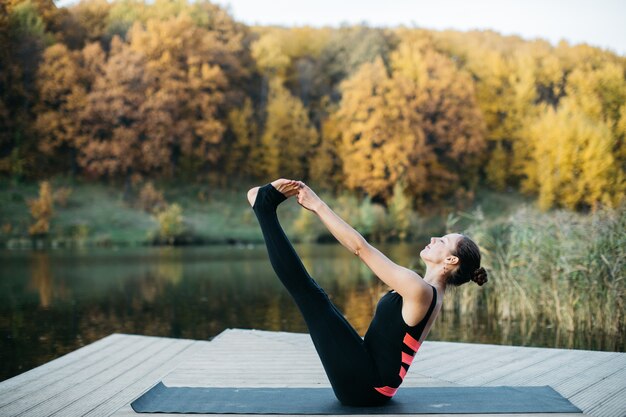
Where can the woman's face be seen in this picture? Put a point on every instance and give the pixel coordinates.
(440, 248)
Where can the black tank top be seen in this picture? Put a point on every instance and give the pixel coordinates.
(391, 342)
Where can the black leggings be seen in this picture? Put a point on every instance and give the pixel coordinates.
(348, 365)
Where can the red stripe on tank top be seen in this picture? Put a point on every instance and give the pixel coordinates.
(402, 372)
(406, 358)
(411, 342)
(388, 391)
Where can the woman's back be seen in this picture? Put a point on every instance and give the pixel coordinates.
(391, 342)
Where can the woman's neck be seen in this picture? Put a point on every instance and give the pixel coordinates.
(435, 277)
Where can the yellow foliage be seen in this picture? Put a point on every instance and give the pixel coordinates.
(269, 55)
(244, 153)
(41, 209)
(497, 168)
(276, 48)
(421, 125)
(379, 130)
(326, 168)
(288, 137)
(61, 85)
(171, 223)
(571, 161)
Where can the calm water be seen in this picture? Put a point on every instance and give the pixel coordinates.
(52, 303)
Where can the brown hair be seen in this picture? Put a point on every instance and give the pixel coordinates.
(469, 268)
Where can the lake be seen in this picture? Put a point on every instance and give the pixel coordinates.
(53, 302)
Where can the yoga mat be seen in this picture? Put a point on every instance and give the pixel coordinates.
(408, 400)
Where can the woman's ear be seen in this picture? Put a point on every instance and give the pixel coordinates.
(452, 260)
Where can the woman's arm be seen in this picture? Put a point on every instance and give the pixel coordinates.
(405, 281)
(343, 232)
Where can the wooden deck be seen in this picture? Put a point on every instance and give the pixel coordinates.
(101, 379)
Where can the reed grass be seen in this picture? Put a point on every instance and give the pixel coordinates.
(557, 268)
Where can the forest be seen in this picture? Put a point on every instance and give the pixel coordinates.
(128, 90)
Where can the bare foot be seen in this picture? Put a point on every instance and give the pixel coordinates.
(285, 186)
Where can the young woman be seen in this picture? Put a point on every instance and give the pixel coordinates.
(364, 371)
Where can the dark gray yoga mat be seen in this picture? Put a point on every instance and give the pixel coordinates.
(408, 400)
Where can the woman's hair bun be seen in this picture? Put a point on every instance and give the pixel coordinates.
(479, 276)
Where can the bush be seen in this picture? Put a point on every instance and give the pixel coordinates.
(171, 224)
(41, 209)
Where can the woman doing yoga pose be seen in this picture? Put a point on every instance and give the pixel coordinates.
(364, 371)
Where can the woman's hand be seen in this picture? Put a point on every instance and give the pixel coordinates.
(308, 199)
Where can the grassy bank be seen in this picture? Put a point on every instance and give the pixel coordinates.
(96, 214)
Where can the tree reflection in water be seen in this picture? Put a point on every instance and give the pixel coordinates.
(52, 303)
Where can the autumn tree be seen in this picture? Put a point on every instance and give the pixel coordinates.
(451, 121)
(91, 22)
(326, 165)
(288, 136)
(572, 164)
(243, 149)
(186, 89)
(62, 84)
(420, 124)
(379, 128)
(511, 77)
(112, 121)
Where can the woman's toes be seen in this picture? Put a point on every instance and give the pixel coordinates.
(284, 186)
(279, 184)
(252, 195)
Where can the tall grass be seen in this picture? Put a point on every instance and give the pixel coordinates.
(557, 268)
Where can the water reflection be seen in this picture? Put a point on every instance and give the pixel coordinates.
(52, 303)
(41, 278)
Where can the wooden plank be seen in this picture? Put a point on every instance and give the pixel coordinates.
(614, 406)
(433, 365)
(523, 370)
(56, 396)
(601, 391)
(131, 392)
(75, 372)
(60, 363)
(263, 363)
(117, 389)
(240, 365)
(475, 359)
(591, 376)
(547, 367)
(529, 358)
(574, 370)
(430, 354)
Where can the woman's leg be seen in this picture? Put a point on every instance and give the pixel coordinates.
(347, 363)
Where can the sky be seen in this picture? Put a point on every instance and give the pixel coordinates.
(599, 23)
